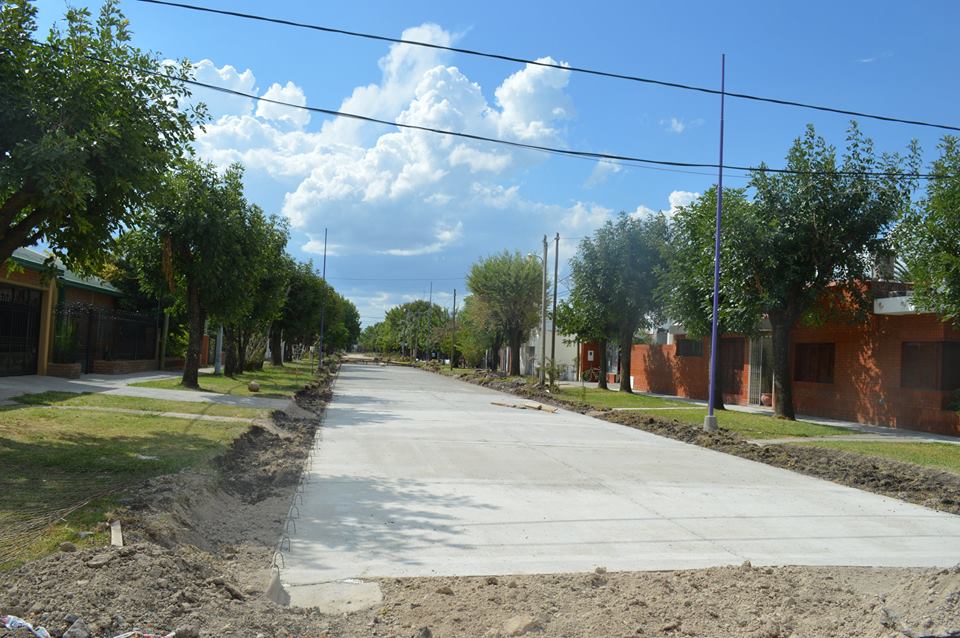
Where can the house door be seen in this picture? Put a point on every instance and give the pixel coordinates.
(731, 365)
(761, 369)
(19, 330)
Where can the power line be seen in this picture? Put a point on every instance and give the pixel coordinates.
(523, 145)
(552, 65)
(398, 278)
(550, 149)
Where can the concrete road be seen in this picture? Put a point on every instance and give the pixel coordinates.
(415, 474)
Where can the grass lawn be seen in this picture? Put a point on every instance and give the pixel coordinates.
(276, 382)
(751, 426)
(56, 460)
(100, 400)
(942, 456)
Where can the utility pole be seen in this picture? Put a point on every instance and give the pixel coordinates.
(553, 317)
(323, 299)
(430, 325)
(453, 338)
(710, 421)
(543, 319)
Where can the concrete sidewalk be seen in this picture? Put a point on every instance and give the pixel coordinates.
(119, 384)
(415, 474)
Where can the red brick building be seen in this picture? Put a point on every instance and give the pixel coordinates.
(900, 369)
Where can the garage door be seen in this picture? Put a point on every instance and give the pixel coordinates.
(19, 329)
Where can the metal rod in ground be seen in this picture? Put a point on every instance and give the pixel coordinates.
(710, 421)
(323, 300)
(543, 318)
(553, 316)
(453, 338)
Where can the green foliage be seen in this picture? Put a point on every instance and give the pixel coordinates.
(929, 237)
(509, 286)
(84, 138)
(686, 284)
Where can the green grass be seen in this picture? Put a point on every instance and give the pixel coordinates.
(277, 382)
(942, 456)
(99, 400)
(748, 425)
(57, 459)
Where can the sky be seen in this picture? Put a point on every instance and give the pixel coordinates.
(407, 209)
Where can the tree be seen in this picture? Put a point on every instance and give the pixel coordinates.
(89, 125)
(299, 318)
(614, 276)
(509, 286)
(929, 237)
(190, 249)
(686, 287)
(407, 327)
(812, 232)
(265, 279)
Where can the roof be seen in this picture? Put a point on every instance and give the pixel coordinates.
(65, 277)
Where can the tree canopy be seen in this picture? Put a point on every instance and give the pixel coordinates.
(509, 286)
(89, 127)
(929, 237)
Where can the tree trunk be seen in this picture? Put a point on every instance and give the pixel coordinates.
(276, 347)
(514, 353)
(230, 346)
(195, 321)
(626, 354)
(242, 340)
(602, 377)
(495, 353)
(782, 380)
(287, 351)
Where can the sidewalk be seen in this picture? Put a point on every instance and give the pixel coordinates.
(875, 432)
(119, 384)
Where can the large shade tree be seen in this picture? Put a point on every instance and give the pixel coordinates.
(89, 126)
(509, 286)
(190, 250)
(614, 275)
(686, 287)
(806, 246)
(929, 237)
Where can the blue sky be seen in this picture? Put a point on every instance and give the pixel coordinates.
(415, 205)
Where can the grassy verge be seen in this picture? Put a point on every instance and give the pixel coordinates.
(942, 456)
(56, 460)
(100, 400)
(276, 382)
(748, 425)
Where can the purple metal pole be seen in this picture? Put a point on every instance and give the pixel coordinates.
(710, 421)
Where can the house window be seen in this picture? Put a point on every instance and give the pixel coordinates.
(930, 365)
(814, 362)
(689, 347)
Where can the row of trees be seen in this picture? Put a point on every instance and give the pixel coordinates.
(796, 247)
(95, 137)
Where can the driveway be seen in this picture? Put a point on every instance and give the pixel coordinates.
(415, 474)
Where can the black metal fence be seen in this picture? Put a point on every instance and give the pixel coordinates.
(84, 334)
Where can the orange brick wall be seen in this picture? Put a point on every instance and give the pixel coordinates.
(96, 299)
(24, 277)
(658, 369)
(866, 385)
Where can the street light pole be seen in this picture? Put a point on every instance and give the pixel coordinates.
(323, 300)
(543, 319)
(553, 317)
(710, 421)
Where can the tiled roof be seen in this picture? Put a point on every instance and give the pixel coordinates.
(38, 261)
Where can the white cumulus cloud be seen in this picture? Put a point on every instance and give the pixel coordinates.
(289, 94)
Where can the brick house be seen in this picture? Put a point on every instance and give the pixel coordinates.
(900, 368)
(56, 322)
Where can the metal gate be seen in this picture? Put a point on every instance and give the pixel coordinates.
(19, 329)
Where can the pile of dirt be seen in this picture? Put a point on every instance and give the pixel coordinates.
(728, 602)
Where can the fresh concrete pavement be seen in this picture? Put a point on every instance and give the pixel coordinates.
(415, 474)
